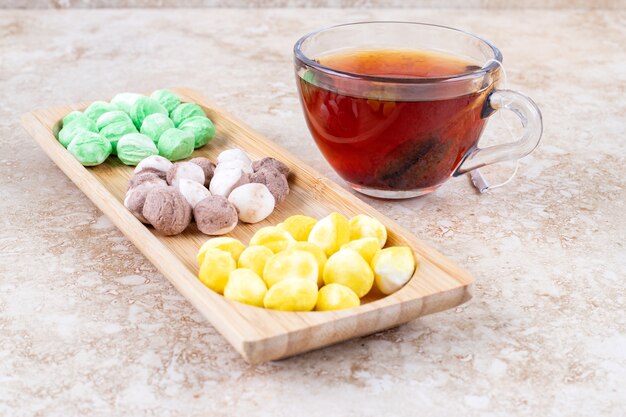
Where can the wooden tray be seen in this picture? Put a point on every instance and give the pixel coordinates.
(259, 334)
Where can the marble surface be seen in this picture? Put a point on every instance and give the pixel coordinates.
(490, 4)
(89, 327)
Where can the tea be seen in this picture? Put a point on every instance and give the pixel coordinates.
(377, 142)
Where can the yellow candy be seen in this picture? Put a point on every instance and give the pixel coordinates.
(292, 294)
(330, 233)
(336, 297)
(365, 226)
(245, 286)
(215, 269)
(393, 267)
(319, 255)
(290, 264)
(367, 247)
(228, 244)
(348, 268)
(254, 258)
(272, 237)
(298, 226)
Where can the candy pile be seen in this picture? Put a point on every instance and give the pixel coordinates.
(134, 127)
(303, 264)
(168, 195)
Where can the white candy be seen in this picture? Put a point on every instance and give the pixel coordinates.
(154, 162)
(231, 154)
(227, 180)
(193, 191)
(185, 170)
(253, 202)
(235, 163)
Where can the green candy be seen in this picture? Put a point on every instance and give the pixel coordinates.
(90, 148)
(135, 147)
(71, 116)
(144, 107)
(175, 144)
(202, 128)
(67, 135)
(76, 124)
(166, 98)
(185, 111)
(154, 125)
(113, 125)
(116, 116)
(98, 108)
(124, 101)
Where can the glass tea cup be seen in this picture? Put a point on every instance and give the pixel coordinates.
(404, 135)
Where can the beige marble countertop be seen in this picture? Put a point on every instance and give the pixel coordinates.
(483, 4)
(89, 327)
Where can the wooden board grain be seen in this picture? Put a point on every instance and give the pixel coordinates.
(259, 334)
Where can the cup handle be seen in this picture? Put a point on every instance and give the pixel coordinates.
(532, 123)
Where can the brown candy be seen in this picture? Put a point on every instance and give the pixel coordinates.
(136, 197)
(215, 215)
(207, 166)
(273, 180)
(167, 210)
(271, 163)
(145, 176)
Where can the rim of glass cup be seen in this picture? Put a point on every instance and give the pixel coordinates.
(493, 65)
